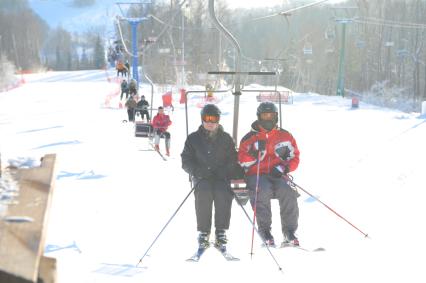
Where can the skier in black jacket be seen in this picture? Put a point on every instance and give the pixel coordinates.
(210, 157)
(142, 108)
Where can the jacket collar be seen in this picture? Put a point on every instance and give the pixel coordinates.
(255, 127)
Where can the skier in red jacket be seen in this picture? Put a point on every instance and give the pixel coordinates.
(160, 123)
(272, 152)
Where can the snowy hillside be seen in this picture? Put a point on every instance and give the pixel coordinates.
(113, 194)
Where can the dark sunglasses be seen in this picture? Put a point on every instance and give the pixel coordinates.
(211, 118)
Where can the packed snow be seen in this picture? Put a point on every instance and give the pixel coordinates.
(113, 194)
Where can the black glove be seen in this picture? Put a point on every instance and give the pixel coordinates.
(237, 172)
(203, 173)
(283, 152)
(279, 170)
(259, 145)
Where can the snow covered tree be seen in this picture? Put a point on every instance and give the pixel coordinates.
(7, 70)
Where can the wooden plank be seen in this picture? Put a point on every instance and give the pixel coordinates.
(23, 229)
(47, 270)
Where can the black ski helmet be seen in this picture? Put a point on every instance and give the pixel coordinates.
(210, 109)
(267, 107)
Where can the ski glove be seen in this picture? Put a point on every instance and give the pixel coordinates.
(259, 145)
(237, 172)
(203, 173)
(279, 170)
(283, 152)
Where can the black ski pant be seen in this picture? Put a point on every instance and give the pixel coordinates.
(209, 193)
(131, 114)
(143, 113)
(274, 188)
(124, 92)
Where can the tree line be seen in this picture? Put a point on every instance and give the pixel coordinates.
(383, 58)
(28, 43)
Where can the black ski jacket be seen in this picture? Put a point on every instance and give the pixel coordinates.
(206, 157)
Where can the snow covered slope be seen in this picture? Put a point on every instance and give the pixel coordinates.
(113, 194)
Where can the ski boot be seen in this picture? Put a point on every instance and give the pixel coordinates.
(221, 240)
(267, 238)
(290, 239)
(203, 240)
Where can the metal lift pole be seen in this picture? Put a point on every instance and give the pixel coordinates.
(134, 24)
(341, 77)
(237, 92)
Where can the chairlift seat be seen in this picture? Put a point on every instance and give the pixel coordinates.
(286, 97)
(143, 130)
(307, 51)
(402, 52)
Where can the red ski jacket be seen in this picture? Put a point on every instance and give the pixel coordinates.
(161, 122)
(280, 150)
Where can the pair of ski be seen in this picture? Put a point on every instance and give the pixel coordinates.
(288, 245)
(159, 153)
(222, 249)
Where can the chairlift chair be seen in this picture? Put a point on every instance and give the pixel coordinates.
(402, 53)
(389, 44)
(360, 44)
(307, 49)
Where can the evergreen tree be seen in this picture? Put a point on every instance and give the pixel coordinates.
(84, 61)
(99, 53)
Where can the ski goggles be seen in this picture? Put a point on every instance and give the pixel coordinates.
(268, 116)
(211, 118)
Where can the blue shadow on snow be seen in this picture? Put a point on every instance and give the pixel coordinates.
(311, 199)
(39, 130)
(83, 175)
(124, 270)
(58, 144)
(54, 248)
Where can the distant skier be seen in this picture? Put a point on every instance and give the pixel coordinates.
(131, 104)
(124, 89)
(279, 155)
(210, 157)
(127, 65)
(143, 108)
(133, 87)
(161, 123)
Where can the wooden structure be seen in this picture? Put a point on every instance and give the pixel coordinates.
(23, 227)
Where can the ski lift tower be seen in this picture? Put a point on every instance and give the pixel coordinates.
(133, 25)
(343, 21)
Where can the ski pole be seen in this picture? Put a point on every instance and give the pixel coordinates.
(257, 231)
(174, 214)
(289, 179)
(255, 203)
